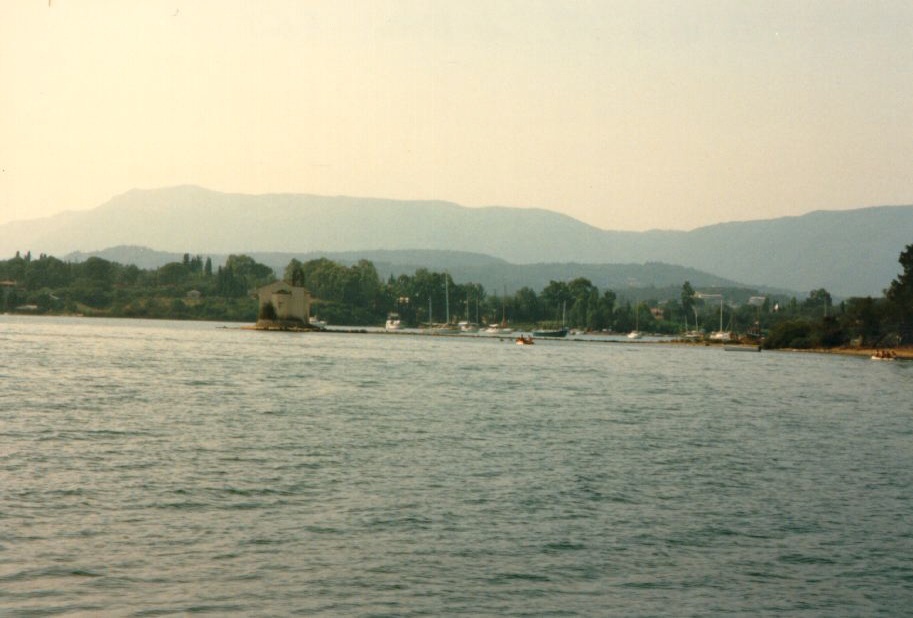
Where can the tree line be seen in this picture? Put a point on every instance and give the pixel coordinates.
(356, 295)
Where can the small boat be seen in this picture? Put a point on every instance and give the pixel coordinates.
(468, 327)
(560, 332)
(525, 340)
(500, 329)
(635, 334)
(393, 322)
(314, 321)
(742, 348)
(884, 355)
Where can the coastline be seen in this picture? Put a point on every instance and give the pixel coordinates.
(901, 353)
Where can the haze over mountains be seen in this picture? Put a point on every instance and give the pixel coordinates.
(850, 253)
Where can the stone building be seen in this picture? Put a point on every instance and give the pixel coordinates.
(282, 305)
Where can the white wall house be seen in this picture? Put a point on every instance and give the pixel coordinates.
(292, 303)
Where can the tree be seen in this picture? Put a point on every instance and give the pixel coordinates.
(555, 297)
(687, 298)
(294, 273)
(579, 291)
(525, 308)
(606, 311)
(46, 272)
(901, 290)
(98, 271)
(900, 294)
(249, 270)
(817, 300)
(173, 273)
(863, 318)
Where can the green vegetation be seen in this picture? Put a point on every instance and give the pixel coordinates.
(356, 295)
(180, 290)
(868, 322)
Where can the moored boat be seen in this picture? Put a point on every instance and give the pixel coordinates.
(560, 332)
(636, 334)
(742, 348)
(393, 322)
(556, 332)
(498, 329)
(721, 335)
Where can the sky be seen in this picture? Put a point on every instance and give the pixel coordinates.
(627, 115)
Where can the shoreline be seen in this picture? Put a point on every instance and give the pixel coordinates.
(901, 353)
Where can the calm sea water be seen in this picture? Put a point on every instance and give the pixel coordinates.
(154, 468)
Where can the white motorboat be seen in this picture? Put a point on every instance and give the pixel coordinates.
(393, 322)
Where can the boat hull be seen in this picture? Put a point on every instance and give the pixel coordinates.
(561, 332)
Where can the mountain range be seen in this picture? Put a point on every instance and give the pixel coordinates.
(850, 253)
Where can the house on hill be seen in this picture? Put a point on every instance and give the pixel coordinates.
(282, 305)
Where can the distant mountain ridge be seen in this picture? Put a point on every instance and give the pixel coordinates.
(848, 252)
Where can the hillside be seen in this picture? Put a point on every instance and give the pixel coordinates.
(635, 281)
(848, 252)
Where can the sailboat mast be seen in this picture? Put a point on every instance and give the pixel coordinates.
(504, 308)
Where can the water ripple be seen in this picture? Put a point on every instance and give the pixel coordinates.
(174, 469)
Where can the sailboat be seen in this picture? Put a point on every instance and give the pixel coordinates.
(721, 335)
(636, 334)
(502, 328)
(446, 327)
(559, 332)
(467, 325)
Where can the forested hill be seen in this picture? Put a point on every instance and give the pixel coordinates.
(850, 253)
(494, 274)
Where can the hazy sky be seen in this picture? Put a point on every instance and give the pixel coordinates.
(626, 115)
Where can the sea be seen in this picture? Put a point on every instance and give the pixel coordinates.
(160, 468)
